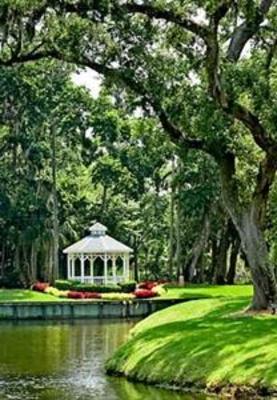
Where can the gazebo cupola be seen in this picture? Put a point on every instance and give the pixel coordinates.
(98, 258)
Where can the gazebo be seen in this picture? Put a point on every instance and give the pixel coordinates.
(98, 258)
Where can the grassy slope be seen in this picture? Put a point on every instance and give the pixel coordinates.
(19, 295)
(204, 343)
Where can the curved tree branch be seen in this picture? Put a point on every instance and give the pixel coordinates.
(154, 12)
(246, 30)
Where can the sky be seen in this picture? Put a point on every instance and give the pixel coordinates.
(90, 79)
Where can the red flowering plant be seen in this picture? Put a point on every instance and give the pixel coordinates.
(75, 295)
(40, 286)
(92, 295)
(144, 293)
(148, 285)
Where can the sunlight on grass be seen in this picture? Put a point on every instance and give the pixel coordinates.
(18, 295)
(204, 342)
(208, 291)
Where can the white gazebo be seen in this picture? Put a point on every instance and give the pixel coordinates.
(98, 258)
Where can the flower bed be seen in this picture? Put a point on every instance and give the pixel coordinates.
(77, 291)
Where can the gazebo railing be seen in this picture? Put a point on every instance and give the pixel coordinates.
(99, 280)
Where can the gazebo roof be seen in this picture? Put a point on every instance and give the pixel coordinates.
(98, 242)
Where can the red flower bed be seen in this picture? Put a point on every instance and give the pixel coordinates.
(83, 295)
(148, 285)
(40, 286)
(92, 295)
(75, 295)
(144, 293)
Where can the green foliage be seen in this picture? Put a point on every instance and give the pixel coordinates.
(128, 287)
(64, 284)
(81, 287)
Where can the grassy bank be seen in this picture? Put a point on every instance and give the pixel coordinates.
(205, 344)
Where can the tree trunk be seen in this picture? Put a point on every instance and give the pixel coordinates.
(178, 255)
(221, 260)
(55, 269)
(233, 261)
(250, 225)
(33, 261)
(255, 248)
(211, 272)
(178, 239)
(3, 256)
(198, 249)
(172, 223)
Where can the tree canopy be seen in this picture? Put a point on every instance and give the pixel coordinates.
(204, 73)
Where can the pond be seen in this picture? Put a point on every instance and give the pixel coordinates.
(65, 361)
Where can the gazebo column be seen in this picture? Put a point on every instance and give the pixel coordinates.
(126, 269)
(82, 258)
(91, 261)
(105, 269)
(68, 268)
(73, 266)
(114, 268)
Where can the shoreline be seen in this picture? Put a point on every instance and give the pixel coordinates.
(82, 309)
(242, 392)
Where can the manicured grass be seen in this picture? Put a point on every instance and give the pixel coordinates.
(187, 292)
(203, 343)
(209, 291)
(18, 295)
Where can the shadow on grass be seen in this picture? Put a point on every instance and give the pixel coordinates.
(10, 295)
(219, 347)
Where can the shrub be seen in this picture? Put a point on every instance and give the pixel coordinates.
(159, 290)
(81, 287)
(128, 287)
(75, 295)
(40, 286)
(92, 295)
(144, 293)
(63, 293)
(148, 285)
(53, 291)
(64, 284)
(118, 296)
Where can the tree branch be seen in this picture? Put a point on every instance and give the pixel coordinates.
(176, 135)
(169, 16)
(246, 30)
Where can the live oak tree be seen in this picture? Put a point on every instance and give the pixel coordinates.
(37, 100)
(207, 70)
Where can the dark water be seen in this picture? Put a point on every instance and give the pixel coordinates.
(65, 361)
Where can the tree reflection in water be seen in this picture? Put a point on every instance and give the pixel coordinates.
(65, 361)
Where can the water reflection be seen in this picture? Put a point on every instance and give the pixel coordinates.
(64, 360)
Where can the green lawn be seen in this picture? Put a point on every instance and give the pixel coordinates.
(204, 343)
(209, 291)
(188, 292)
(16, 295)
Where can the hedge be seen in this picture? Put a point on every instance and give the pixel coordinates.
(64, 284)
(128, 287)
(82, 287)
